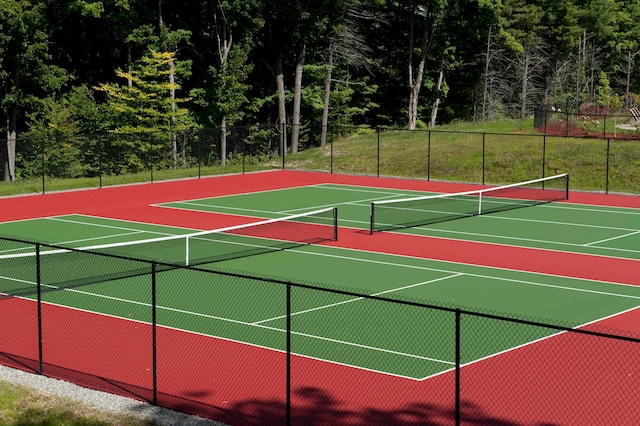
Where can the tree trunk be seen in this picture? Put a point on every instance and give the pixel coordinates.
(581, 55)
(486, 76)
(223, 142)
(415, 83)
(174, 143)
(327, 97)
(297, 95)
(9, 150)
(414, 92)
(282, 112)
(225, 41)
(129, 67)
(525, 81)
(436, 103)
(627, 83)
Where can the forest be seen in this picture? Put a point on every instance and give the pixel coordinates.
(71, 68)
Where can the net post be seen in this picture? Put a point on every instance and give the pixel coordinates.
(186, 250)
(566, 190)
(335, 224)
(371, 218)
(479, 203)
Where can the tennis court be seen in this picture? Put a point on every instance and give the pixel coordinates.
(599, 230)
(336, 327)
(563, 300)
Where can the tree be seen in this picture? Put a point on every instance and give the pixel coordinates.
(523, 24)
(148, 106)
(430, 18)
(26, 72)
(346, 45)
(627, 49)
(225, 94)
(53, 135)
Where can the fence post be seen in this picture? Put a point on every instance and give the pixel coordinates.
(44, 154)
(457, 390)
(244, 148)
(606, 179)
(288, 362)
(39, 297)
(483, 155)
(199, 155)
(154, 341)
(544, 153)
(331, 151)
(283, 142)
(378, 172)
(100, 153)
(151, 159)
(429, 154)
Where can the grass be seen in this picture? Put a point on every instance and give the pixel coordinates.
(492, 153)
(21, 406)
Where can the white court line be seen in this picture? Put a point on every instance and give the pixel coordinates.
(99, 225)
(372, 190)
(612, 238)
(358, 298)
(241, 342)
(559, 333)
(132, 231)
(239, 194)
(215, 208)
(187, 203)
(551, 222)
(491, 277)
(591, 208)
(432, 231)
(135, 222)
(224, 319)
(330, 186)
(76, 241)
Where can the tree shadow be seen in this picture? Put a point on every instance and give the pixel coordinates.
(317, 407)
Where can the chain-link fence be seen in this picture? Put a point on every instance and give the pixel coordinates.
(255, 350)
(596, 161)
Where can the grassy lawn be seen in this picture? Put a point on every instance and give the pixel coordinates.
(21, 405)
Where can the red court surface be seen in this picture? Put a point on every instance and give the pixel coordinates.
(240, 384)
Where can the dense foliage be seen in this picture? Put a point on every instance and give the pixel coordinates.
(70, 67)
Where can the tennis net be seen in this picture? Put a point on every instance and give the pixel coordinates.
(416, 211)
(23, 264)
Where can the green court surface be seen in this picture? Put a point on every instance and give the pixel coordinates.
(392, 338)
(607, 231)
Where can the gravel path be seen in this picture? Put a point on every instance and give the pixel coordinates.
(102, 400)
